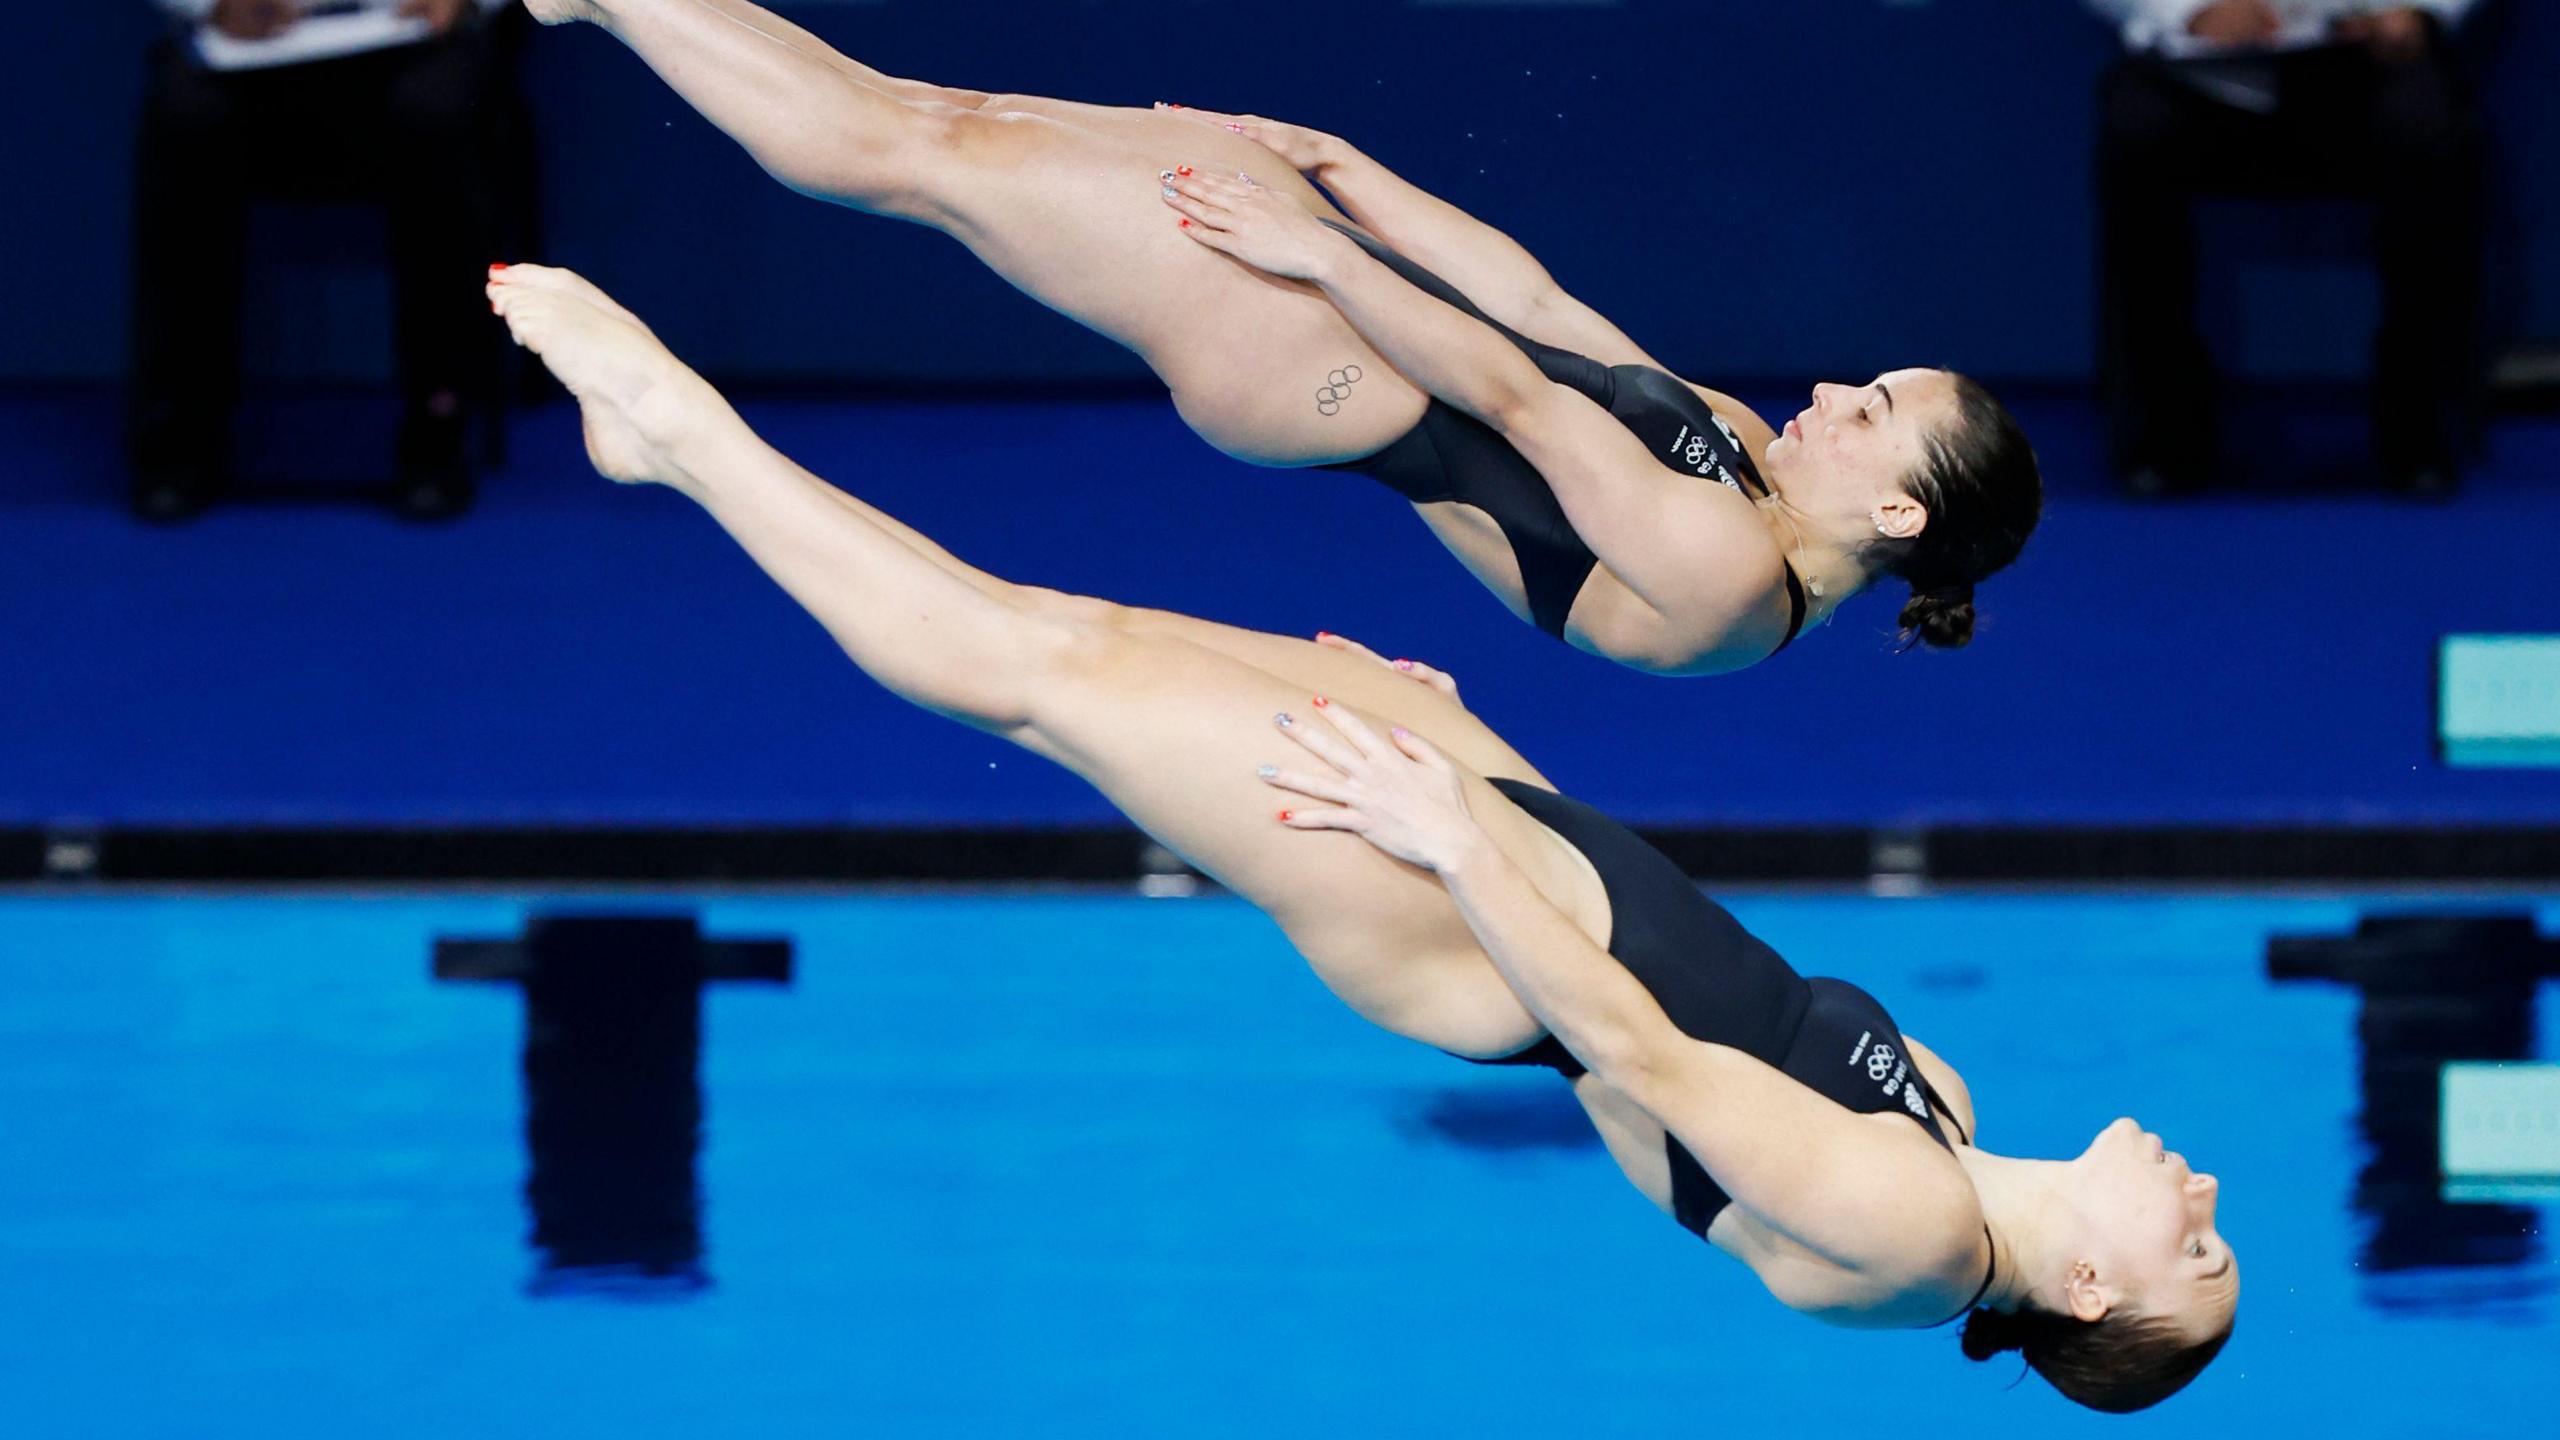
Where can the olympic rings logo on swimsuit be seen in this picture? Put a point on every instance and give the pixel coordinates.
(1879, 1062)
(1337, 389)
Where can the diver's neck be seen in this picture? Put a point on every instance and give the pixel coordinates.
(2023, 1205)
(1830, 568)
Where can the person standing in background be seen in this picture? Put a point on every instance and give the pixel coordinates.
(386, 100)
(2275, 97)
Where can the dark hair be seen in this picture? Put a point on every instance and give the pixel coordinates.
(2119, 1364)
(1984, 493)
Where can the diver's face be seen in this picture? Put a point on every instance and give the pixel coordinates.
(1852, 446)
(2152, 1232)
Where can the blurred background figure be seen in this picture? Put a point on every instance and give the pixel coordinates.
(2276, 98)
(384, 101)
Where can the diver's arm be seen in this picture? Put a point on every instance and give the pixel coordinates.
(1486, 265)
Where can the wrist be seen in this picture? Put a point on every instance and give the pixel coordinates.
(1337, 259)
(1468, 856)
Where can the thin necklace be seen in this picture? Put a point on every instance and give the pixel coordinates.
(1804, 568)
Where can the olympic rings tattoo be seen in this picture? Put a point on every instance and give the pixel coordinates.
(1337, 389)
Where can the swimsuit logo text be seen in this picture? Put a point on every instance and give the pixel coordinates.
(1700, 452)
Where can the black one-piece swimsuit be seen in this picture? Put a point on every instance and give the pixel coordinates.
(1721, 984)
(1450, 455)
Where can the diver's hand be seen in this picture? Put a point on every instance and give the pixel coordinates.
(441, 15)
(1396, 791)
(254, 19)
(1267, 230)
(2237, 24)
(1301, 149)
(2396, 36)
(1410, 669)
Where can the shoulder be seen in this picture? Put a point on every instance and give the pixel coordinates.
(1757, 435)
(1730, 617)
(1920, 1260)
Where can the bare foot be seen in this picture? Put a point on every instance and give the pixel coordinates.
(561, 12)
(637, 399)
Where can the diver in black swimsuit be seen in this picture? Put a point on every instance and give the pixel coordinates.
(1578, 455)
(1748, 1070)
(1919, 475)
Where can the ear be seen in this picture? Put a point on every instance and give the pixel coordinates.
(1901, 518)
(2084, 1296)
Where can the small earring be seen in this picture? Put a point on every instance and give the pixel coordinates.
(1878, 517)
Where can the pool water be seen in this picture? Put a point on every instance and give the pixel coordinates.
(1063, 1164)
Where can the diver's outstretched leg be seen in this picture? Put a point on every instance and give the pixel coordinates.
(1061, 200)
(1172, 731)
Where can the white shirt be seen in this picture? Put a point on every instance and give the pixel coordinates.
(2161, 25)
(343, 27)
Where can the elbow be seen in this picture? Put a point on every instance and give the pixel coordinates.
(1511, 403)
(1626, 1059)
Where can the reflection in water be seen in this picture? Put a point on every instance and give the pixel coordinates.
(2435, 989)
(1503, 1119)
(613, 1096)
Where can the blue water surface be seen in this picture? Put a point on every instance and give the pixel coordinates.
(1064, 1164)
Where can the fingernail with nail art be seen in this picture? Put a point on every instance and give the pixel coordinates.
(1232, 125)
(1269, 772)
(1402, 733)
(1165, 175)
(1283, 720)
(1170, 192)
(1322, 702)
(1285, 814)
(1404, 664)
(1182, 170)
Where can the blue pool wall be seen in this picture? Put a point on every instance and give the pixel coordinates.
(1777, 188)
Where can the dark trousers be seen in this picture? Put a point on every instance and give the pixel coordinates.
(410, 128)
(2342, 123)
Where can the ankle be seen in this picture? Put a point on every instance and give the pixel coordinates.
(691, 425)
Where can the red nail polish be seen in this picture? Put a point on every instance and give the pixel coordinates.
(1182, 170)
(1177, 107)
(494, 269)
(1285, 814)
(1186, 224)
(1324, 634)
(1322, 702)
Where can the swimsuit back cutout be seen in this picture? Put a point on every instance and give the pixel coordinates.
(1450, 455)
(1721, 984)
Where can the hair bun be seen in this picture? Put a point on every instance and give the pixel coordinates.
(1989, 1334)
(1940, 618)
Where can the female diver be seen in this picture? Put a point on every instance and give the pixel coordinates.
(1472, 908)
(1565, 468)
